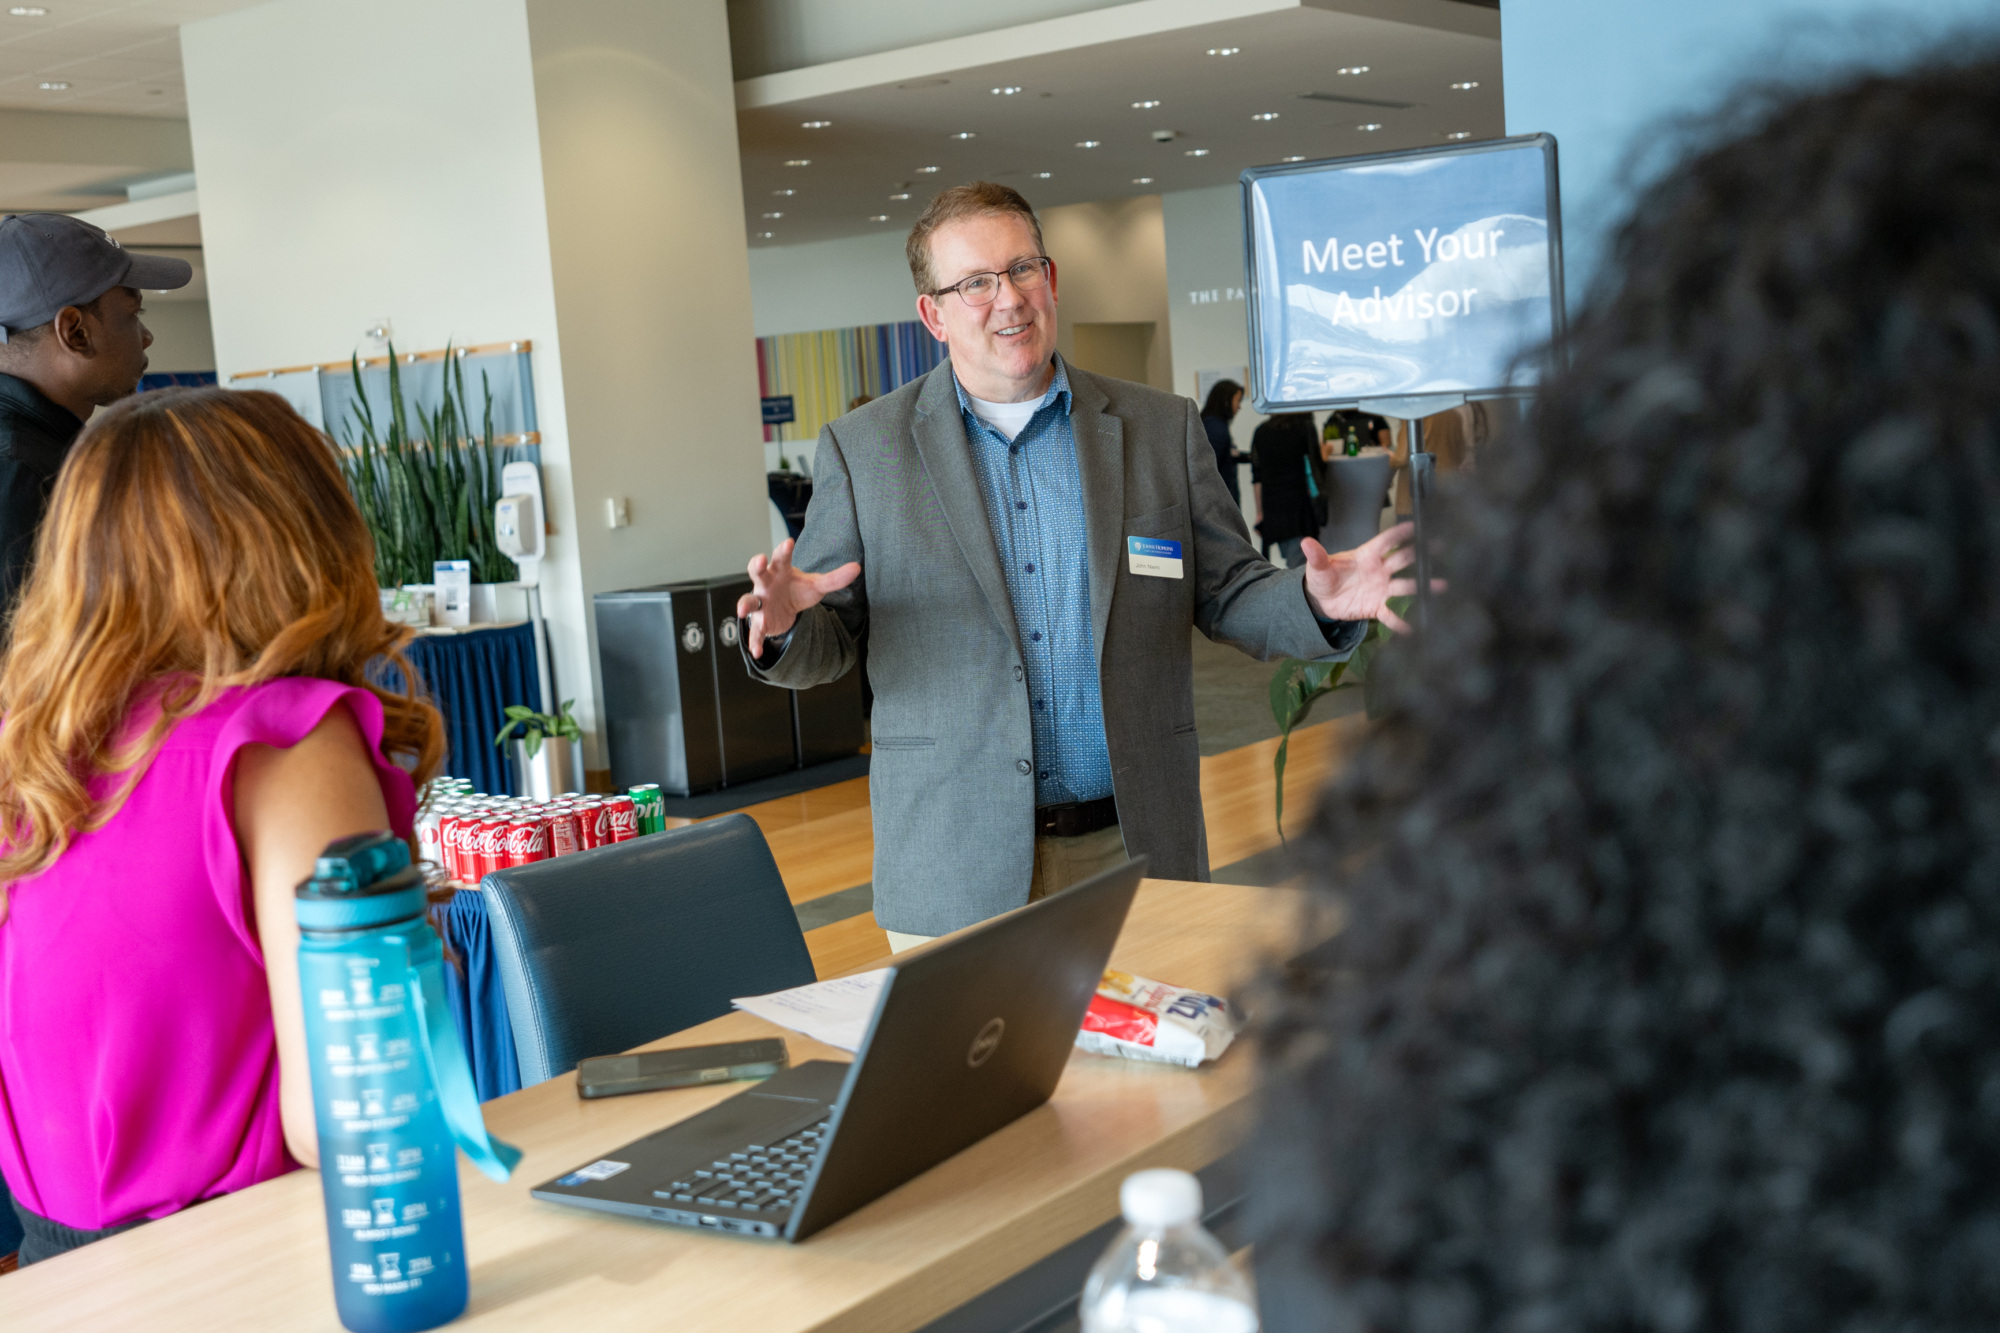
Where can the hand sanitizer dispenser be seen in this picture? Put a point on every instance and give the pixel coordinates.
(519, 530)
(518, 520)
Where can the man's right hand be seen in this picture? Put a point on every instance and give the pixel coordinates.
(779, 593)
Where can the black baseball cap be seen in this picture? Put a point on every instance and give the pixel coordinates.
(51, 260)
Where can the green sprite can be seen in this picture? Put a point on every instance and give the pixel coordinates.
(652, 807)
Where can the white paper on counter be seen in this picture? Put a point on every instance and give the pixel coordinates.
(835, 1012)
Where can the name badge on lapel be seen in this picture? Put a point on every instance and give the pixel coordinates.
(1154, 557)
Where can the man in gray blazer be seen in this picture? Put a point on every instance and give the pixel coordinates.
(1025, 546)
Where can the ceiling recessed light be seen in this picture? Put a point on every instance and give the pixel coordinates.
(1088, 143)
(879, 217)
(1352, 69)
(1044, 175)
(1195, 152)
(54, 86)
(1142, 180)
(1459, 134)
(927, 171)
(784, 193)
(1293, 158)
(899, 196)
(966, 134)
(1370, 127)
(766, 235)
(1224, 50)
(799, 162)
(1265, 115)
(1465, 87)
(814, 124)
(1007, 91)
(774, 215)
(1146, 105)
(28, 12)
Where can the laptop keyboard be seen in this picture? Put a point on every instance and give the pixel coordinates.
(759, 1179)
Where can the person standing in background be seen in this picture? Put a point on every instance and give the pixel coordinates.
(1445, 439)
(1225, 400)
(1288, 481)
(1367, 430)
(71, 341)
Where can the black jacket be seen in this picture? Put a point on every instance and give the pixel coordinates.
(35, 436)
(1284, 460)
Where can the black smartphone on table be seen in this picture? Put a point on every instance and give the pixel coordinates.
(682, 1067)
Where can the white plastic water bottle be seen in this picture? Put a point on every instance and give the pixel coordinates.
(1165, 1273)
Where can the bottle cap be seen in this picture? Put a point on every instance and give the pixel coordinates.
(1159, 1199)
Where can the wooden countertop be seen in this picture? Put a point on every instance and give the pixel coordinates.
(258, 1259)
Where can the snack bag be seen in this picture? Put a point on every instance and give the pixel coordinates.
(1144, 1019)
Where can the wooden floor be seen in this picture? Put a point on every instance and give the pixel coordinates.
(823, 840)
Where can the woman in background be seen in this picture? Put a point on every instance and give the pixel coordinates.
(1288, 480)
(1669, 991)
(187, 724)
(1225, 400)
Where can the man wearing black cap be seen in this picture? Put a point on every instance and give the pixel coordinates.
(70, 342)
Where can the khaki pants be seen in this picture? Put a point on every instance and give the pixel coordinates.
(1059, 863)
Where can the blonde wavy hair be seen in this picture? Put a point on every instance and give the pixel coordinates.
(197, 539)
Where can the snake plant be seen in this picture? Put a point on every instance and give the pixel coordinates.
(427, 494)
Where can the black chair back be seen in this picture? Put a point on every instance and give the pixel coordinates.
(604, 950)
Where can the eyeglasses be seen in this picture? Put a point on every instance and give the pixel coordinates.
(983, 288)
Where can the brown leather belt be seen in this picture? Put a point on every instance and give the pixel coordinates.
(1076, 818)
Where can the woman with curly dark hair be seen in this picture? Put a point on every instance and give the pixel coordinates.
(1668, 996)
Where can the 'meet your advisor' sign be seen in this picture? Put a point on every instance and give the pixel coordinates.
(1401, 274)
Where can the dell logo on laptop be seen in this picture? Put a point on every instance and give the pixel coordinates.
(987, 1042)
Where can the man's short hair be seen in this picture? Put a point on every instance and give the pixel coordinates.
(979, 199)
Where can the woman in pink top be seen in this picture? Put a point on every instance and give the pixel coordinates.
(186, 724)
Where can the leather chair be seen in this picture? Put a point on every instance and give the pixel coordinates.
(604, 950)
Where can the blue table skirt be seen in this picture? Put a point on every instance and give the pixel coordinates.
(478, 1003)
(472, 678)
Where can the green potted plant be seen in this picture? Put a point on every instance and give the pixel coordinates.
(548, 750)
(427, 490)
(1297, 685)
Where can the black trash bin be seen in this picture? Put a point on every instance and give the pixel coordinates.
(680, 707)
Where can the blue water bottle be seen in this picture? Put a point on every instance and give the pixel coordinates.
(392, 1090)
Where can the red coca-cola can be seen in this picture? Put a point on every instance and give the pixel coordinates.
(593, 823)
(527, 838)
(491, 850)
(451, 845)
(624, 818)
(565, 830)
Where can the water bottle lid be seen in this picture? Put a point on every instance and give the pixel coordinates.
(1159, 1199)
(336, 905)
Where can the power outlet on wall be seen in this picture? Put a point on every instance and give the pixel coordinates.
(617, 512)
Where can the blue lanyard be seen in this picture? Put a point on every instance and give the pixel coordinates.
(451, 1072)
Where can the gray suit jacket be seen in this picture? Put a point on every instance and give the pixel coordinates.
(952, 777)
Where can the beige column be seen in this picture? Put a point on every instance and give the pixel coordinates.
(562, 171)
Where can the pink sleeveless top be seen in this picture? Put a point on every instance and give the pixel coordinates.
(138, 1063)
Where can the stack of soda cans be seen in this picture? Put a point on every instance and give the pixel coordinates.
(467, 835)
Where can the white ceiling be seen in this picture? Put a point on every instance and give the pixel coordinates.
(117, 56)
(882, 134)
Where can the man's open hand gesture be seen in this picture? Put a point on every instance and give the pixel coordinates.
(779, 593)
(1357, 584)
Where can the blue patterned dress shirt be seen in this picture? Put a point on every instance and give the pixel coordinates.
(1033, 491)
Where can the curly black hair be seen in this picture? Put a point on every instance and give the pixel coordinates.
(1668, 994)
